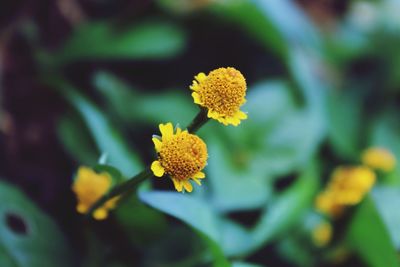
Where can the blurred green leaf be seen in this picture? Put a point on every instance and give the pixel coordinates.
(345, 124)
(102, 40)
(369, 237)
(106, 136)
(288, 208)
(187, 208)
(192, 211)
(244, 264)
(268, 21)
(249, 16)
(131, 105)
(142, 224)
(28, 237)
(387, 201)
(79, 144)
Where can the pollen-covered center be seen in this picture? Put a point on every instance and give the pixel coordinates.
(223, 91)
(183, 155)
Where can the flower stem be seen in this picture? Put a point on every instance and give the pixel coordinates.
(200, 119)
(121, 189)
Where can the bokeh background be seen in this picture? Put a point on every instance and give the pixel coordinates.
(80, 78)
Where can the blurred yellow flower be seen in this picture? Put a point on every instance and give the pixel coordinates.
(379, 158)
(347, 187)
(89, 187)
(322, 234)
(222, 92)
(181, 155)
(326, 204)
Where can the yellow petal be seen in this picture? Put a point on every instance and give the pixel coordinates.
(157, 144)
(188, 186)
(213, 115)
(100, 214)
(241, 115)
(194, 86)
(167, 131)
(178, 130)
(178, 184)
(196, 98)
(199, 175)
(200, 77)
(157, 169)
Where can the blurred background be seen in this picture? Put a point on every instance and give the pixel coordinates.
(80, 78)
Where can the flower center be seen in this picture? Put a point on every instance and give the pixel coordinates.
(183, 155)
(223, 91)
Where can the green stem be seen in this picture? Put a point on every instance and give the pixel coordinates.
(198, 121)
(121, 189)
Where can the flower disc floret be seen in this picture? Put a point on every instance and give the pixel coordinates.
(222, 92)
(181, 155)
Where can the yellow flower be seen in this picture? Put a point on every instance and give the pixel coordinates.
(347, 187)
(181, 155)
(379, 158)
(222, 92)
(350, 184)
(89, 187)
(326, 204)
(322, 234)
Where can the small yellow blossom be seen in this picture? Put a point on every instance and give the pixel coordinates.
(222, 92)
(326, 204)
(347, 187)
(181, 155)
(322, 234)
(350, 184)
(379, 158)
(89, 187)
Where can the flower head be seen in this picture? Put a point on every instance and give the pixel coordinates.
(222, 92)
(379, 158)
(181, 155)
(89, 187)
(347, 187)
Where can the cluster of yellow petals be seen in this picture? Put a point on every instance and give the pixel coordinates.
(89, 187)
(222, 92)
(181, 155)
(347, 187)
(379, 158)
(322, 234)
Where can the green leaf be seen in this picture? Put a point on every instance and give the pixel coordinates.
(268, 22)
(223, 237)
(387, 201)
(250, 17)
(78, 143)
(368, 236)
(187, 208)
(286, 211)
(131, 105)
(345, 127)
(144, 225)
(244, 264)
(102, 40)
(40, 245)
(106, 136)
